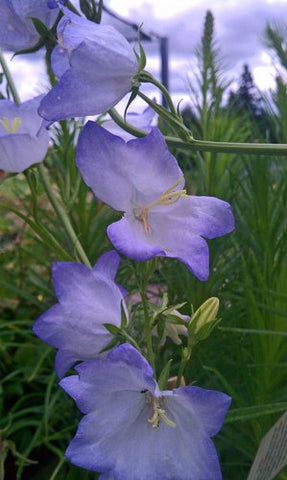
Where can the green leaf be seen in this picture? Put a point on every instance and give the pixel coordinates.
(164, 376)
(113, 329)
(247, 413)
(40, 27)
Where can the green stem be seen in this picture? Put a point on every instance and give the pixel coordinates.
(205, 146)
(226, 147)
(125, 125)
(150, 353)
(180, 371)
(62, 214)
(168, 116)
(146, 77)
(9, 79)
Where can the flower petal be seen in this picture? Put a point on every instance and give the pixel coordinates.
(99, 159)
(87, 299)
(211, 406)
(115, 394)
(108, 265)
(96, 80)
(27, 145)
(124, 237)
(122, 174)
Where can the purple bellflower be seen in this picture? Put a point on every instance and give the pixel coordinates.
(23, 139)
(95, 65)
(133, 431)
(17, 31)
(142, 179)
(87, 298)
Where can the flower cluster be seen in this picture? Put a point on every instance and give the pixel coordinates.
(133, 426)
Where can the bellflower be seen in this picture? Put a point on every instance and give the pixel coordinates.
(95, 65)
(133, 431)
(22, 140)
(142, 179)
(87, 298)
(17, 31)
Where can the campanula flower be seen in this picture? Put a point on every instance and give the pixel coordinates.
(95, 65)
(133, 431)
(17, 31)
(23, 141)
(143, 180)
(87, 298)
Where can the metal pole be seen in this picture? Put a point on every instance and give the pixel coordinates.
(164, 65)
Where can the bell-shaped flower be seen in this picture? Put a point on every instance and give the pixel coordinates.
(87, 298)
(142, 179)
(133, 431)
(23, 139)
(95, 65)
(17, 31)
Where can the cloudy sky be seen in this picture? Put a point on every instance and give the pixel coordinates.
(239, 26)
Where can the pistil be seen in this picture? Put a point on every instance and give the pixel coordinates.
(168, 197)
(158, 413)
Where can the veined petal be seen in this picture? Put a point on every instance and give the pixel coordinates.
(124, 174)
(125, 238)
(60, 61)
(200, 400)
(25, 143)
(118, 398)
(89, 87)
(108, 265)
(87, 299)
(99, 159)
(209, 217)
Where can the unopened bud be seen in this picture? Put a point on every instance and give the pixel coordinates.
(204, 319)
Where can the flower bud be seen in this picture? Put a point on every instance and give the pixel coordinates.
(204, 319)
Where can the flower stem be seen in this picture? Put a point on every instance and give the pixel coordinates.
(125, 125)
(150, 353)
(146, 77)
(9, 79)
(169, 117)
(226, 147)
(62, 214)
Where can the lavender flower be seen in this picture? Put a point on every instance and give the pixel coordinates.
(87, 299)
(133, 431)
(17, 31)
(95, 64)
(22, 140)
(142, 179)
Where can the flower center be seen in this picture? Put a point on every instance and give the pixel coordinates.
(158, 412)
(11, 127)
(168, 197)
